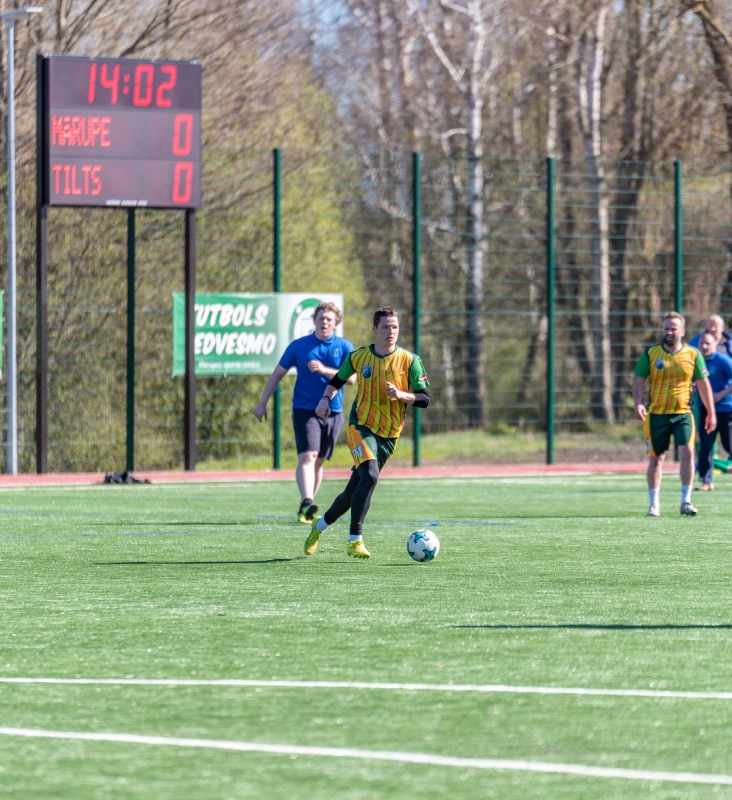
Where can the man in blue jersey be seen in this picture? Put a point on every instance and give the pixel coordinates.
(715, 326)
(317, 358)
(720, 378)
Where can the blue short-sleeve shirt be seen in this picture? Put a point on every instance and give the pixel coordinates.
(720, 377)
(309, 386)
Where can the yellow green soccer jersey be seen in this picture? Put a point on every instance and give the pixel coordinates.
(671, 376)
(372, 406)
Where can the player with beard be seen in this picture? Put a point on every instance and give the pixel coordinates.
(671, 367)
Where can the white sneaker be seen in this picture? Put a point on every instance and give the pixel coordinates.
(688, 510)
(654, 511)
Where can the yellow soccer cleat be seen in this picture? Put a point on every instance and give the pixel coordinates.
(311, 543)
(357, 549)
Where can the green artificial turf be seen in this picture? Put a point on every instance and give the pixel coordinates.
(539, 582)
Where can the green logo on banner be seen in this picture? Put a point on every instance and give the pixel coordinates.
(301, 322)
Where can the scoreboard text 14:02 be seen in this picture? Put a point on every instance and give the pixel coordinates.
(120, 132)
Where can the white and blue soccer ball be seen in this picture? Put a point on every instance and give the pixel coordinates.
(423, 546)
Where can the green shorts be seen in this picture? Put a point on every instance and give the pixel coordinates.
(658, 429)
(367, 446)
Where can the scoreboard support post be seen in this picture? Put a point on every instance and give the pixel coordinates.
(41, 274)
(130, 459)
(190, 377)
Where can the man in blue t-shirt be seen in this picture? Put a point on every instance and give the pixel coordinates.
(317, 358)
(720, 378)
(715, 326)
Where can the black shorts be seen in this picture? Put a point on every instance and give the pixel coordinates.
(313, 434)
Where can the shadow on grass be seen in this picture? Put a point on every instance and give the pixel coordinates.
(589, 627)
(188, 563)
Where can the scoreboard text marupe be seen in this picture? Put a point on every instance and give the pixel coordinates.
(120, 132)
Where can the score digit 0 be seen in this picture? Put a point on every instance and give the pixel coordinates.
(183, 174)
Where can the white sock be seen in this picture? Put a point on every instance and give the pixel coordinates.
(654, 494)
(685, 494)
(352, 538)
(321, 525)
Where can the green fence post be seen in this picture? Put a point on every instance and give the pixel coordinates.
(678, 250)
(678, 240)
(550, 292)
(417, 285)
(130, 460)
(276, 281)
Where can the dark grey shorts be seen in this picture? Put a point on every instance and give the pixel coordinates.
(315, 435)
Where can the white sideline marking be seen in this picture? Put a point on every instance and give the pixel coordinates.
(382, 755)
(403, 687)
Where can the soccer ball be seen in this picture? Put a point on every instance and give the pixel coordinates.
(423, 546)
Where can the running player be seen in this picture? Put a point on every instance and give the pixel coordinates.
(672, 366)
(317, 358)
(389, 379)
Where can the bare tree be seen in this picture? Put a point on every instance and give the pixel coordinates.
(470, 67)
(589, 76)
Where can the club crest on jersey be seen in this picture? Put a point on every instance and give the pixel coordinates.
(660, 363)
(366, 371)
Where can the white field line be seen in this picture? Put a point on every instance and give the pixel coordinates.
(399, 687)
(382, 755)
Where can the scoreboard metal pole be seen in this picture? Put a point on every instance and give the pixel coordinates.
(190, 377)
(130, 460)
(41, 278)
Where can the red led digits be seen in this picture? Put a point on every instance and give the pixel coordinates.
(92, 83)
(183, 183)
(183, 175)
(112, 84)
(139, 99)
(182, 134)
(144, 84)
(172, 72)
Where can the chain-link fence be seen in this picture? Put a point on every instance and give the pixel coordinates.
(629, 241)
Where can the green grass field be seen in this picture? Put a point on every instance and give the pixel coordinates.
(556, 582)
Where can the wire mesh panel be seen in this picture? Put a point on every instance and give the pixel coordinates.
(707, 227)
(346, 229)
(235, 251)
(483, 293)
(25, 318)
(159, 257)
(615, 273)
(87, 301)
(347, 223)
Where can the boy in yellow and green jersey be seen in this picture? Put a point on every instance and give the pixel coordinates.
(388, 380)
(672, 367)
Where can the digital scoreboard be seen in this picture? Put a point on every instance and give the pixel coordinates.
(120, 132)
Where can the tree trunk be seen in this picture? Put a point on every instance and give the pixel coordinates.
(475, 368)
(590, 101)
(633, 144)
